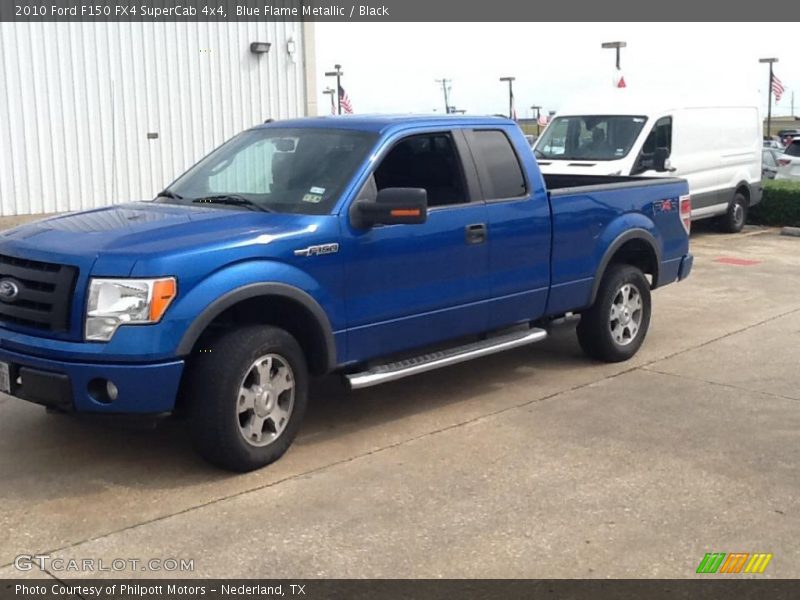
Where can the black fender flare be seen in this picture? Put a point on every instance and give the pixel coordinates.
(267, 290)
(627, 236)
(746, 186)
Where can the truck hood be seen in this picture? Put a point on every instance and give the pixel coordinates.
(142, 229)
(581, 167)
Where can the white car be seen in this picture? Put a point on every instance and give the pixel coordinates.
(789, 161)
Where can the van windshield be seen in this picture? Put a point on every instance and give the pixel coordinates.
(590, 137)
(275, 169)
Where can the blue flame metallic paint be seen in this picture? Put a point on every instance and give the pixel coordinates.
(387, 289)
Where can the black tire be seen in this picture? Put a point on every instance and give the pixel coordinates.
(595, 327)
(212, 391)
(736, 217)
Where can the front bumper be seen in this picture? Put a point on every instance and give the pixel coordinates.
(142, 388)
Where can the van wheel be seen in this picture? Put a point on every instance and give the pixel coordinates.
(613, 329)
(735, 218)
(247, 397)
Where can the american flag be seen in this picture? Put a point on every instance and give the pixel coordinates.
(344, 100)
(777, 88)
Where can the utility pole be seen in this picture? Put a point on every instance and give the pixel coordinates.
(510, 81)
(536, 108)
(338, 74)
(445, 87)
(769, 61)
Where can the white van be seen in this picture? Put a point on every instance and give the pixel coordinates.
(716, 146)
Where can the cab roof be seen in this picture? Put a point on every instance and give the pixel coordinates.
(380, 123)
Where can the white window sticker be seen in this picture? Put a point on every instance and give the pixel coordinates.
(313, 198)
(317, 190)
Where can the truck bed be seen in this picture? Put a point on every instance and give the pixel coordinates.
(560, 184)
(589, 212)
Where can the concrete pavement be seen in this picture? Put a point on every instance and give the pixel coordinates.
(532, 463)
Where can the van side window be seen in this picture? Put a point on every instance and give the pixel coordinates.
(498, 161)
(427, 161)
(660, 137)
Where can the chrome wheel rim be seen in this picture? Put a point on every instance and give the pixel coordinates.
(738, 213)
(625, 319)
(266, 400)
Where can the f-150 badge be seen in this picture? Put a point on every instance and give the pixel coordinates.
(318, 250)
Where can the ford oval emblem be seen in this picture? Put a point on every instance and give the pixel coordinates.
(9, 290)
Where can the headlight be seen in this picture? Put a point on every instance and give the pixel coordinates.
(115, 302)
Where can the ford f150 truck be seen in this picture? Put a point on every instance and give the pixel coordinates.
(373, 247)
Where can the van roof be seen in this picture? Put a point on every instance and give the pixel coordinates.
(629, 102)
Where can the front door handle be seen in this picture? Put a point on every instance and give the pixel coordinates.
(476, 233)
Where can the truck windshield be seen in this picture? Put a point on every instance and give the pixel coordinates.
(590, 137)
(292, 170)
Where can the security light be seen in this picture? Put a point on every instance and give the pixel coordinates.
(260, 47)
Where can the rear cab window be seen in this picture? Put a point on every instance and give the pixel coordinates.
(498, 165)
(793, 149)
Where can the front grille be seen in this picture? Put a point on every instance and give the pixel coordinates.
(44, 297)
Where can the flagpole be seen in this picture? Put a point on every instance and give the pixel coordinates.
(769, 103)
(769, 93)
(338, 74)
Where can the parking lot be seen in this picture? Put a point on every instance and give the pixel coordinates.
(533, 463)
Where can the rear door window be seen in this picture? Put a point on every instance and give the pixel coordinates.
(499, 167)
(793, 149)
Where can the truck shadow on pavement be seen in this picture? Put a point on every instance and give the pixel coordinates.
(67, 455)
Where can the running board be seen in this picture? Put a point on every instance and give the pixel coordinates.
(444, 358)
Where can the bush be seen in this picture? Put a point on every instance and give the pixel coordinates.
(780, 205)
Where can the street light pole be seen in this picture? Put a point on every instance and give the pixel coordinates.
(330, 92)
(338, 74)
(616, 46)
(770, 61)
(536, 108)
(510, 81)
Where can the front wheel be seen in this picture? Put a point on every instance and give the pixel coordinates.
(613, 329)
(735, 218)
(247, 397)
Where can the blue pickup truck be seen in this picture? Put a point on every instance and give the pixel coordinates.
(371, 247)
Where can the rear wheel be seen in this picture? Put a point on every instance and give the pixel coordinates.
(735, 218)
(613, 329)
(247, 397)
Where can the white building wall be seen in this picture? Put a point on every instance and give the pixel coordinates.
(78, 100)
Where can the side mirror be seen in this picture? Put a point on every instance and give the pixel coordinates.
(661, 160)
(392, 206)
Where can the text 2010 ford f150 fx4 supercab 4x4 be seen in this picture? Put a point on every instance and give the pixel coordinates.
(340, 244)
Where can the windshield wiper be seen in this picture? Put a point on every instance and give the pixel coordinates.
(231, 199)
(169, 194)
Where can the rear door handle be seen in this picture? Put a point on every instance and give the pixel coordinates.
(476, 233)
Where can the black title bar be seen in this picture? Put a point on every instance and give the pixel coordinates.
(394, 11)
(713, 588)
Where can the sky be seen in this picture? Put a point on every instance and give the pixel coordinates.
(392, 67)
